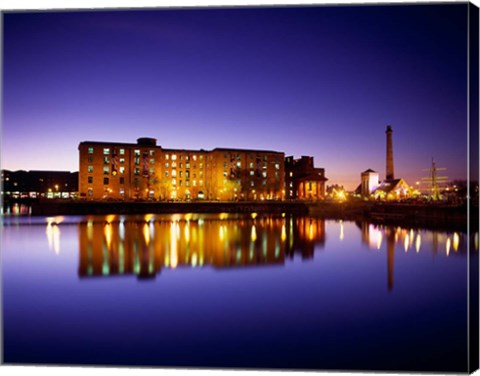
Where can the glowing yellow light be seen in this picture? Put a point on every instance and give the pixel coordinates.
(447, 246)
(223, 216)
(405, 243)
(254, 215)
(283, 236)
(187, 232)
(110, 218)
(342, 235)
(412, 236)
(253, 233)
(194, 260)
(148, 217)
(89, 230)
(379, 239)
(283, 215)
(418, 242)
(173, 245)
(107, 230)
(311, 232)
(188, 216)
(221, 233)
(475, 240)
(146, 234)
(456, 241)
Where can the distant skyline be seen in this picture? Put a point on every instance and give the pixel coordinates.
(323, 81)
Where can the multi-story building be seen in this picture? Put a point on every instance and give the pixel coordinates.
(145, 170)
(303, 180)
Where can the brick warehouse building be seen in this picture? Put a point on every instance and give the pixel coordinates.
(145, 170)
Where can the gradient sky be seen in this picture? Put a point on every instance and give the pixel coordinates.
(322, 81)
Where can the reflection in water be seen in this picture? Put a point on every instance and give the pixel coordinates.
(143, 247)
(119, 245)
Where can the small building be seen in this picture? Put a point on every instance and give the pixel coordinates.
(393, 189)
(303, 180)
(370, 181)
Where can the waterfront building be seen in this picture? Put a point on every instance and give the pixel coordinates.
(370, 180)
(145, 170)
(38, 184)
(303, 180)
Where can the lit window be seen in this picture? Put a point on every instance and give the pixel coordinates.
(291, 184)
(106, 160)
(174, 173)
(201, 174)
(122, 151)
(187, 165)
(201, 157)
(291, 193)
(264, 174)
(200, 183)
(152, 153)
(252, 183)
(225, 173)
(137, 160)
(122, 160)
(174, 157)
(251, 164)
(90, 150)
(106, 170)
(105, 181)
(90, 179)
(136, 171)
(181, 164)
(252, 173)
(167, 157)
(122, 169)
(264, 165)
(90, 169)
(174, 181)
(136, 152)
(277, 166)
(152, 161)
(166, 164)
(180, 183)
(194, 183)
(151, 171)
(187, 174)
(187, 157)
(291, 174)
(174, 164)
(106, 151)
(122, 191)
(187, 183)
(194, 157)
(181, 174)
(239, 164)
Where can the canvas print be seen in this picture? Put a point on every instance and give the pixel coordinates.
(256, 187)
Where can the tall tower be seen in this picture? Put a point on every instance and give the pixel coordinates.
(389, 153)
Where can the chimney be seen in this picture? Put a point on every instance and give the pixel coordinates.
(389, 153)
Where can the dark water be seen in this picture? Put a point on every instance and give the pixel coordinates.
(234, 291)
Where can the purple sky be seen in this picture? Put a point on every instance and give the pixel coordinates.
(321, 81)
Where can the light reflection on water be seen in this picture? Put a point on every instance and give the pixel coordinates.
(321, 273)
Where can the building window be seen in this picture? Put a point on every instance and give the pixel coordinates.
(122, 169)
(90, 180)
(174, 173)
(122, 192)
(264, 182)
(252, 183)
(174, 164)
(201, 157)
(180, 183)
(106, 170)
(225, 164)
(151, 171)
(90, 192)
(252, 172)
(152, 161)
(264, 174)
(291, 184)
(137, 160)
(251, 164)
(277, 166)
(187, 165)
(194, 183)
(291, 174)
(264, 164)
(136, 153)
(90, 159)
(174, 157)
(166, 174)
(194, 157)
(187, 183)
(122, 180)
(201, 174)
(181, 174)
(225, 173)
(122, 151)
(90, 150)
(239, 164)
(187, 174)
(166, 164)
(174, 181)
(137, 171)
(200, 183)
(152, 153)
(90, 169)
(187, 157)
(167, 157)
(181, 164)
(106, 151)
(105, 181)
(122, 160)
(106, 160)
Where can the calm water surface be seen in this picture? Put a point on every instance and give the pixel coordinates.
(233, 291)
